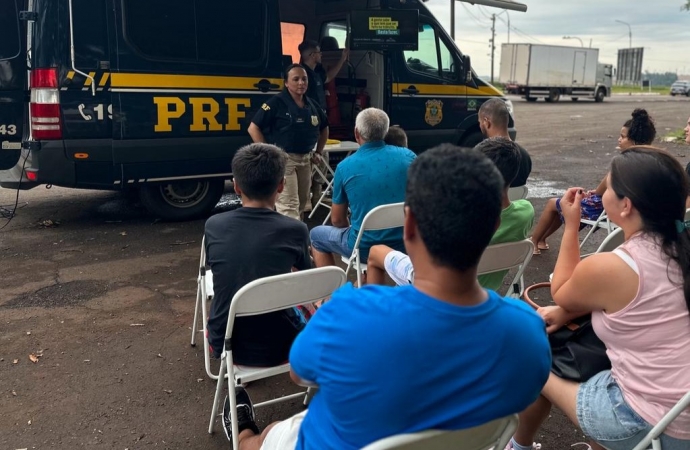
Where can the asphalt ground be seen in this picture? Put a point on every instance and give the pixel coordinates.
(102, 295)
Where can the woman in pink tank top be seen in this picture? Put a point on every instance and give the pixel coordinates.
(639, 297)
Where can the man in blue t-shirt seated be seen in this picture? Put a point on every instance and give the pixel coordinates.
(437, 354)
(375, 175)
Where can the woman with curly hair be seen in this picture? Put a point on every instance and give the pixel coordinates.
(639, 130)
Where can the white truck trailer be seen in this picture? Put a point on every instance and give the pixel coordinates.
(549, 71)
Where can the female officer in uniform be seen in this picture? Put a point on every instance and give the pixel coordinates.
(294, 123)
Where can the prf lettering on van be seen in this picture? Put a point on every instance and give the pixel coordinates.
(204, 112)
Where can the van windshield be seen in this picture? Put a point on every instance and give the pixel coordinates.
(9, 30)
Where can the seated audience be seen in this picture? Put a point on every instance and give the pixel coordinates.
(494, 118)
(516, 223)
(639, 130)
(374, 175)
(396, 136)
(639, 296)
(426, 356)
(252, 242)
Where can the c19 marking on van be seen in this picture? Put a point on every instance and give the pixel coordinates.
(10, 129)
(204, 113)
(99, 109)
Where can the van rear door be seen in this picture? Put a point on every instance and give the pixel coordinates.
(13, 86)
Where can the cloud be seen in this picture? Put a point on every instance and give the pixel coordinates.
(661, 27)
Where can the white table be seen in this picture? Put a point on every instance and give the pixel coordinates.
(346, 147)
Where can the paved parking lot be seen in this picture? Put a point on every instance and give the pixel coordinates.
(102, 296)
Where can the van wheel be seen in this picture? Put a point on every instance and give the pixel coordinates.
(531, 99)
(599, 97)
(554, 96)
(181, 200)
(574, 99)
(472, 139)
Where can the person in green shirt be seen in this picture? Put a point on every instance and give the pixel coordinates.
(516, 222)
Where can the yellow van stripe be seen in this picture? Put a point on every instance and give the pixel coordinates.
(87, 82)
(140, 80)
(444, 89)
(104, 79)
(70, 74)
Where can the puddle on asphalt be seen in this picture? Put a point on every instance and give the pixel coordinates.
(227, 202)
(543, 188)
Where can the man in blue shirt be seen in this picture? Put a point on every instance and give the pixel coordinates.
(440, 353)
(374, 175)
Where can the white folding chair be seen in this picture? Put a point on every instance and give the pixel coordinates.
(263, 296)
(508, 256)
(601, 222)
(491, 435)
(517, 193)
(652, 438)
(380, 218)
(204, 295)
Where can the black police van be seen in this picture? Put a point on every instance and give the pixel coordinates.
(155, 96)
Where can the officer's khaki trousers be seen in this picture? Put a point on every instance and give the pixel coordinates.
(293, 200)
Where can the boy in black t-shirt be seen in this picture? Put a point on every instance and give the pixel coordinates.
(254, 242)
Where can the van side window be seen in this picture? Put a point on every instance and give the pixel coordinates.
(292, 35)
(432, 57)
(9, 30)
(336, 29)
(211, 31)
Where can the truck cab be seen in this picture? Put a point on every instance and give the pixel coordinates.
(157, 96)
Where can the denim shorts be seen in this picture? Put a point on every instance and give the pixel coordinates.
(605, 417)
(328, 239)
(399, 267)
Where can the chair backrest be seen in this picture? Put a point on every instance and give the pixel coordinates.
(517, 193)
(381, 218)
(278, 292)
(505, 256)
(494, 434)
(613, 240)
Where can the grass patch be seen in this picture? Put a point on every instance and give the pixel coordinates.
(677, 135)
(638, 89)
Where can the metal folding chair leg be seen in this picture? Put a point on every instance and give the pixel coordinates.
(196, 317)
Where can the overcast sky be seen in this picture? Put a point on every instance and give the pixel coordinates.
(658, 25)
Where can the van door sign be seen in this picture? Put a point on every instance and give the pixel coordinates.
(204, 112)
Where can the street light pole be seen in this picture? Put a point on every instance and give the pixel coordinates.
(629, 32)
(508, 15)
(575, 37)
(452, 19)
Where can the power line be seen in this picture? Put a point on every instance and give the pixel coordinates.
(483, 25)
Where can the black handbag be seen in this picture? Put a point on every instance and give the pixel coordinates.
(577, 354)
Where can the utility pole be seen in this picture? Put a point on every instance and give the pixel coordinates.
(452, 19)
(492, 42)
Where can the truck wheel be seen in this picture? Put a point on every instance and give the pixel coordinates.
(472, 139)
(181, 200)
(599, 97)
(531, 99)
(574, 99)
(554, 96)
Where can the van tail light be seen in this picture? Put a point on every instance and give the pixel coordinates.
(45, 105)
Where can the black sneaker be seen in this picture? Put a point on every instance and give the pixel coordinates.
(245, 413)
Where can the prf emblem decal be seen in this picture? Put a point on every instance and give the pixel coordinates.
(472, 105)
(315, 120)
(434, 112)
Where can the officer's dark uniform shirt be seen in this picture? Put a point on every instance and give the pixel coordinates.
(316, 90)
(294, 129)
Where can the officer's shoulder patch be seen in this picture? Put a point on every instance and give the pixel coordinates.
(265, 107)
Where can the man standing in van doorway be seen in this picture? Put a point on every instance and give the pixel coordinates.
(294, 123)
(310, 54)
(493, 121)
